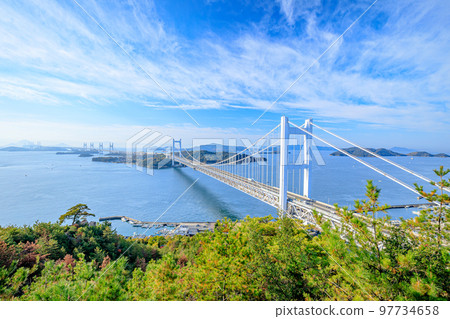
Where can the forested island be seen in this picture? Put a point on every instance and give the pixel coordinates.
(159, 160)
(262, 258)
(383, 152)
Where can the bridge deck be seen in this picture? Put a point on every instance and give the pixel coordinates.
(298, 206)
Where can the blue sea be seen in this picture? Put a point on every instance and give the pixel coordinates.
(41, 186)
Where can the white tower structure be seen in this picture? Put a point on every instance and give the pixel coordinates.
(173, 149)
(285, 132)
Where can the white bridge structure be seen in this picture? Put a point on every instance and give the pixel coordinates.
(276, 169)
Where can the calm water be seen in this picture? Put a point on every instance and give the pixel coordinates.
(42, 186)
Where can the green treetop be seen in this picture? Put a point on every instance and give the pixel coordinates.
(433, 223)
(75, 213)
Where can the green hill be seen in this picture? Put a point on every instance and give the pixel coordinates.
(360, 153)
(383, 152)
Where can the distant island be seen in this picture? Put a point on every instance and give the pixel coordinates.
(39, 148)
(212, 153)
(384, 152)
(58, 149)
(110, 159)
(204, 156)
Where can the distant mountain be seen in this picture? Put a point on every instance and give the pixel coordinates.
(299, 147)
(21, 143)
(325, 148)
(38, 148)
(63, 145)
(383, 152)
(421, 154)
(14, 149)
(360, 153)
(441, 155)
(26, 145)
(402, 150)
(426, 154)
(213, 148)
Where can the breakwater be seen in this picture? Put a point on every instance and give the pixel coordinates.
(177, 228)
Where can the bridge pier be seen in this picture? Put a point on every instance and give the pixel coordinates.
(173, 150)
(174, 141)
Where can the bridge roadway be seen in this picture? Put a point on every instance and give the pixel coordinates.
(298, 206)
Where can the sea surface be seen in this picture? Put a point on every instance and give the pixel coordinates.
(41, 186)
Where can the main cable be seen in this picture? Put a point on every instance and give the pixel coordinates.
(361, 161)
(379, 156)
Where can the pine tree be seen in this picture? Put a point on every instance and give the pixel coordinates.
(75, 213)
(433, 223)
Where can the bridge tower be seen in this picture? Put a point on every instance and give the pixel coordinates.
(111, 147)
(174, 141)
(285, 132)
(284, 142)
(100, 147)
(306, 156)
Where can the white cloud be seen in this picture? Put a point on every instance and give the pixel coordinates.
(293, 9)
(52, 53)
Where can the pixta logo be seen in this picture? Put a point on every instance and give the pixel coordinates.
(148, 150)
(245, 151)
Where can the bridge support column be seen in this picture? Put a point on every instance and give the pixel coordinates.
(174, 142)
(173, 152)
(284, 141)
(306, 157)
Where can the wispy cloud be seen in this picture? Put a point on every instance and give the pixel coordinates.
(392, 68)
(293, 9)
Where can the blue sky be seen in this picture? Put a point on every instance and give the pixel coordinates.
(385, 83)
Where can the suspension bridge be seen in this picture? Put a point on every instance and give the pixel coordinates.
(268, 171)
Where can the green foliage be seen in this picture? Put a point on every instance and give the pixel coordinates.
(287, 260)
(31, 260)
(434, 223)
(365, 228)
(366, 258)
(388, 262)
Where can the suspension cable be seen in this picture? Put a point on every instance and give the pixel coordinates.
(379, 156)
(242, 159)
(235, 162)
(229, 158)
(361, 161)
(249, 146)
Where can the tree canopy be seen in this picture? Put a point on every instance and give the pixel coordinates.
(252, 259)
(76, 213)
